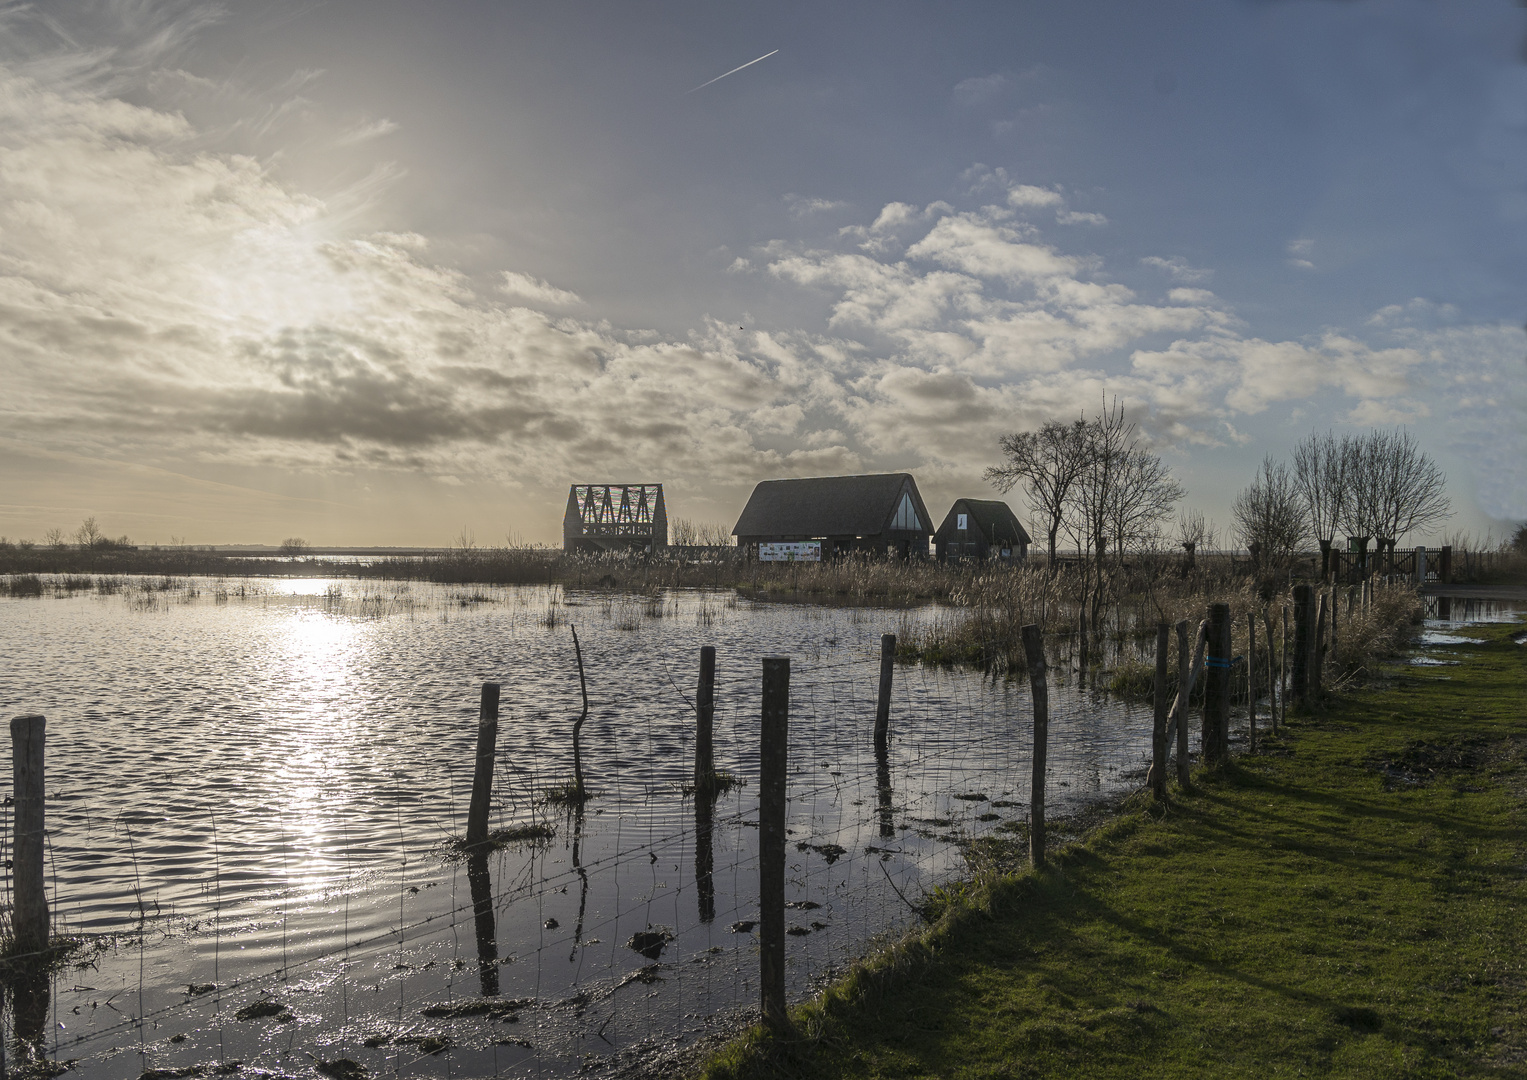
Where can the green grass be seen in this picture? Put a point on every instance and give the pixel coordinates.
(1348, 903)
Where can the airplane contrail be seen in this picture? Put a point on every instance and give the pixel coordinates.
(734, 71)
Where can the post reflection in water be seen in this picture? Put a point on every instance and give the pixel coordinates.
(705, 855)
(28, 991)
(583, 879)
(883, 787)
(482, 910)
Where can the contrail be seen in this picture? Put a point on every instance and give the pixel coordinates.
(734, 71)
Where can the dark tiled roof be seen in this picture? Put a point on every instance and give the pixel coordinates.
(828, 506)
(993, 517)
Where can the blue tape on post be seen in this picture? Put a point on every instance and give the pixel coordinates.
(1216, 662)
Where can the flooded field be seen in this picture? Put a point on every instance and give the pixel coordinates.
(252, 785)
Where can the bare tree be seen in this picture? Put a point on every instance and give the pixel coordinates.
(54, 538)
(294, 546)
(89, 534)
(1142, 498)
(1099, 498)
(1393, 486)
(683, 532)
(1047, 462)
(1269, 514)
(1320, 476)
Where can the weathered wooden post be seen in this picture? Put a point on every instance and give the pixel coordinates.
(1335, 612)
(1180, 706)
(1445, 565)
(705, 714)
(1251, 676)
(771, 840)
(30, 914)
(883, 702)
(1272, 670)
(482, 779)
(1034, 653)
(1159, 748)
(1283, 672)
(1216, 730)
(1317, 647)
(1303, 621)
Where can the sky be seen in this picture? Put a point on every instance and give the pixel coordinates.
(398, 274)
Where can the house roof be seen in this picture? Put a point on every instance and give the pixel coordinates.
(829, 506)
(993, 517)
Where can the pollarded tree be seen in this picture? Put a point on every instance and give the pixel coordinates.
(1320, 475)
(1047, 462)
(1269, 514)
(1393, 486)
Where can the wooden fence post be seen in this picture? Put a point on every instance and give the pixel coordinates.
(771, 840)
(883, 702)
(1034, 653)
(1251, 676)
(30, 915)
(1303, 619)
(1180, 706)
(705, 713)
(482, 779)
(1283, 673)
(1317, 647)
(1216, 729)
(1159, 748)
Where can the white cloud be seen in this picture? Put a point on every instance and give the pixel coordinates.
(1299, 252)
(1080, 217)
(800, 206)
(1028, 195)
(1178, 268)
(894, 215)
(365, 132)
(981, 88)
(537, 290)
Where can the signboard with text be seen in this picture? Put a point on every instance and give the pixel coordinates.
(798, 551)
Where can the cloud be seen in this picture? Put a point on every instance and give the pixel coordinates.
(537, 290)
(982, 88)
(1298, 251)
(1178, 268)
(365, 132)
(1027, 195)
(164, 301)
(800, 206)
(1078, 217)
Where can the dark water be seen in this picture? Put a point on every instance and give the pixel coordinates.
(249, 794)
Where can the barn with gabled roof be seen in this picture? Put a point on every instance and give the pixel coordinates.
(981, 529)
(878, 514)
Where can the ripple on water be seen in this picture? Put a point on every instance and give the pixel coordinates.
(262, 786)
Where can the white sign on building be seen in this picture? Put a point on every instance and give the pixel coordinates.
(798, 551)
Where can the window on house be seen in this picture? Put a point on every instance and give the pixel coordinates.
(906, 516)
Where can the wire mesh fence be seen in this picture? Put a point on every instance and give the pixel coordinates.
(237, 902)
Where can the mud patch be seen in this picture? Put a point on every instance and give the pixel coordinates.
(1420, 763)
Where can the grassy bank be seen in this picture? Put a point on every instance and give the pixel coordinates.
(1348, 903)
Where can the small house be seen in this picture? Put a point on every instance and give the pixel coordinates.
(981, 529)
(877, 514)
